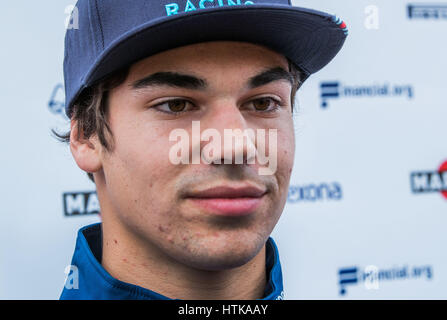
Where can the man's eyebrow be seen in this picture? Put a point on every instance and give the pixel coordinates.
(270, 75)
(186, 81)
(171, 79)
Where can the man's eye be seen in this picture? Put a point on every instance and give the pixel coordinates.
(174, 106)
(265, 104)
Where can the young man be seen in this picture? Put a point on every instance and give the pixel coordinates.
(153, 90)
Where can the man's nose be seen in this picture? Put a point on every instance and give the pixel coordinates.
(237, 140)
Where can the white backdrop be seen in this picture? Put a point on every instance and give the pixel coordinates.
(369, 136)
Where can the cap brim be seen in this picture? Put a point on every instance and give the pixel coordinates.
(309, 38)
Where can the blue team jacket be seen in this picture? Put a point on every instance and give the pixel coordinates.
(95, 283)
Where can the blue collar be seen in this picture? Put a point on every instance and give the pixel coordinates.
(95, 283)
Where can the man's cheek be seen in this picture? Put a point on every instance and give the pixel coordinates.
(286, 154)
(286, 146)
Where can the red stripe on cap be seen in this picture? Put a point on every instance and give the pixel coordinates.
(442, 168)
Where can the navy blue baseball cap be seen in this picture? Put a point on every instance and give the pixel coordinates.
(113, 34)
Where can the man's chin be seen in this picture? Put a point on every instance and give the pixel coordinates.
(212, 256)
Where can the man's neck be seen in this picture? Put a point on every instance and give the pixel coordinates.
(129, 259)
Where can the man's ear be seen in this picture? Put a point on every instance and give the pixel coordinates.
(85, 151)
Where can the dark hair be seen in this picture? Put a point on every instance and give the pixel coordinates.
(90, 109)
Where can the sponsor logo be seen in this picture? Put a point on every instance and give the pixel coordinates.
(175, 8)
(56, 104)
(427, 11)
(371, 276)
(347, 276)
(315, 192)
(430, 181)
(336, 90)
(80, 203)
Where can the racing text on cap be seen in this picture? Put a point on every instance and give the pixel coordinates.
(175, 8)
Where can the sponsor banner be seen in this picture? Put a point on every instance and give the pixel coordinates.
(314, 192)
(371, 276)
(430, 181)
(427, 11)
(80, 203)
(335, 90)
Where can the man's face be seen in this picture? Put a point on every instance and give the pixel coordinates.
(209, 216)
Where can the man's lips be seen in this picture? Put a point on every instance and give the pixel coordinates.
(228, 200)
(228, 192)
